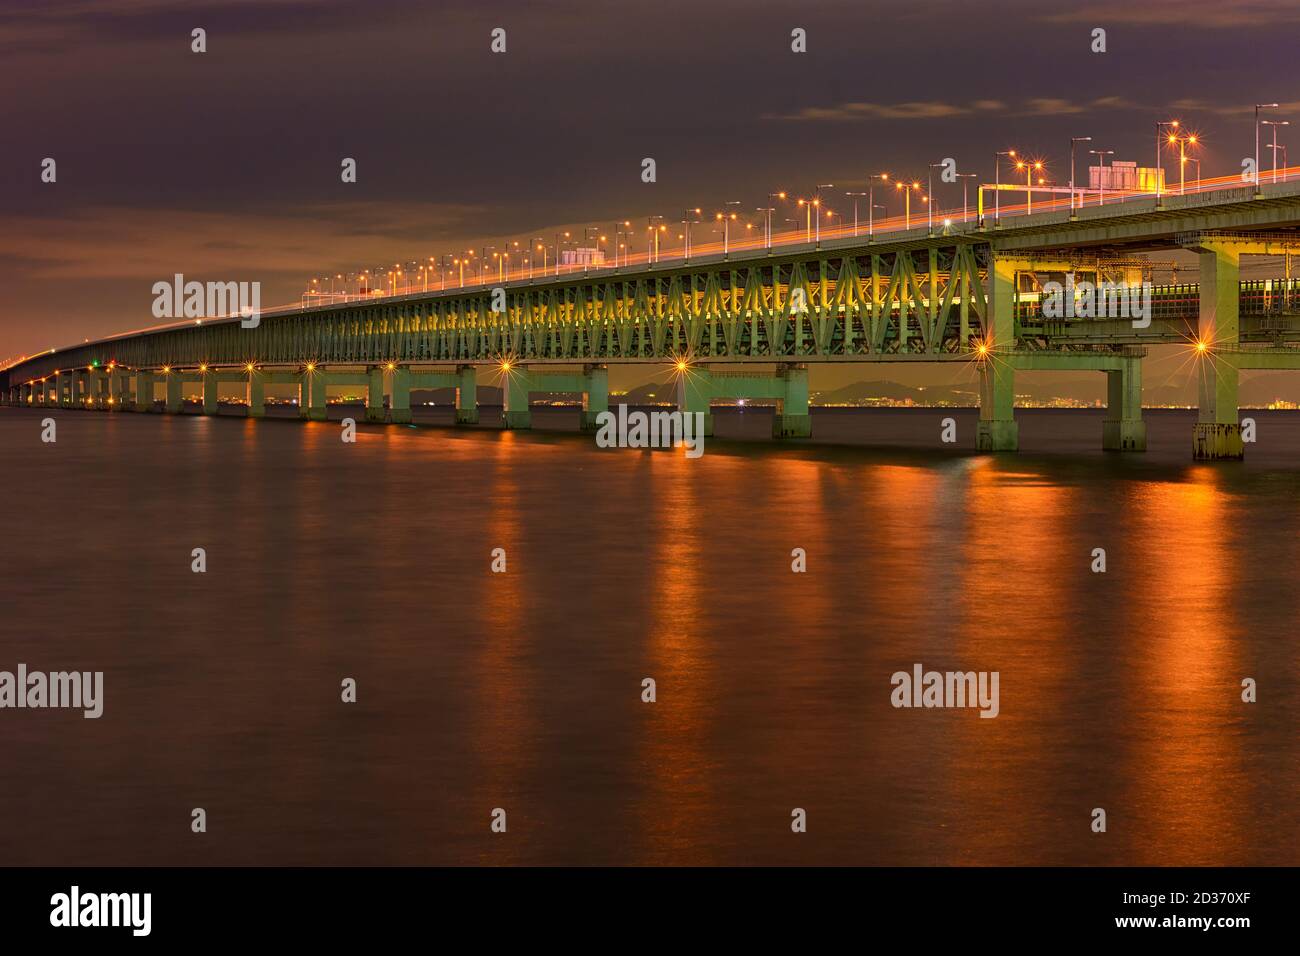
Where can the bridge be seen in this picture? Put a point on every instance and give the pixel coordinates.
(966, 291)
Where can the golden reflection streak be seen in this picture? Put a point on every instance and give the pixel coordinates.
(678, 798)
(505, 731)
(1185, 668)
(1020, 560)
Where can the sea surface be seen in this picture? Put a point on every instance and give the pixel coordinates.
(523, 690)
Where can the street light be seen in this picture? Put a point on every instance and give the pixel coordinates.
(1159, 170)
(557, 251)
(651, 223)
(1258, 107)
(1183, 142)
(687, 222)
(871, 206)
(1030, 169)
(767, 217)
(1073, 140)
(855, 210)
(929, 190)
(964, 213)
(907, 201)
(817, 201)
(622, 230)
(997, 182)
(726, 219)
(1101, 177)
(1275, 124)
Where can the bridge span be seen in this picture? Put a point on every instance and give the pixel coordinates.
(968, 293)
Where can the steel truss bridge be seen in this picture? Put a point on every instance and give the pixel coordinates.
(968, 293)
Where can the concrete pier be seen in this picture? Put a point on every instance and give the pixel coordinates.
(1217, 432)
(1123, 428)
(997, 429)
(466, 395)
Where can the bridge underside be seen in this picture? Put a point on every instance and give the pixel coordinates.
(972, 298)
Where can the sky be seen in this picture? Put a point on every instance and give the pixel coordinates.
(225, 165)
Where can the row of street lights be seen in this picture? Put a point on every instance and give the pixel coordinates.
(1169, 133)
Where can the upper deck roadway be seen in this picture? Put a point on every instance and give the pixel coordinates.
(959, 290)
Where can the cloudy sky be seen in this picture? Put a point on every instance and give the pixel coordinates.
(226, 165)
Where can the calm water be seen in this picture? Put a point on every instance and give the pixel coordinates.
(522, 690)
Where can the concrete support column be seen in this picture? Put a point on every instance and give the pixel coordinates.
(997, 429)
(399, 403)
(95, 385)
(255, 392)
(175, 393)
(467, 395)
(29, 395)
(595, 396)
(694, 389)
(119, 386)
(63, 389)
(792, 417)
(210, 403)
(1217, 432)
(312, 404)
(1123, 428)
(515, 385)
(375, 394)
(79, 388)
(144, 382)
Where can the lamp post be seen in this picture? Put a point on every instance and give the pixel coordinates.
(557, 251)
(1258, 107)
(1073, 141)
(767, 225)
(1275, 124)
(654, 225)
(768, 217)
(871, 206)
(997, 183)
(929, 192)
(1158, 172)
(964, 187)
(622, 230)
(1284, 161)
(1029, 168)
(1183, 142)
(907, 201)
(1101, 178)
(855, 210)
(726, 219)
(817, 201)
(687, 221)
